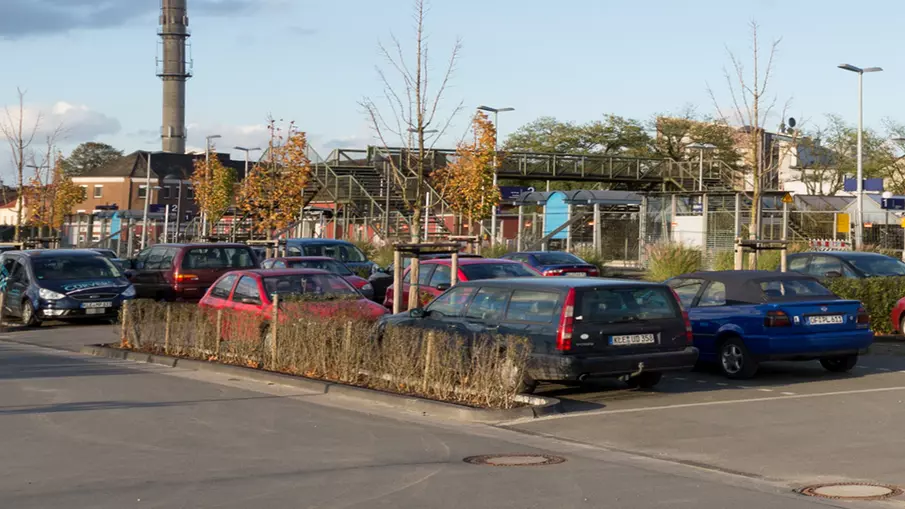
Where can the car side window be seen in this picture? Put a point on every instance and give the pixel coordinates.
(714, 295)
(686, 289)
(847, 271)
(424, 274)
(266, 264)
(247, 289)
(293, 251)
(169, 255)
(452, 303)
(821, 264)
(488, 304)
(799, 264)
(442, 276)
(155, 258)
(408, 276)
(143, 256)
(18, 273)
(223, 287)
(532, 306)
(279, 265)
(8, 265)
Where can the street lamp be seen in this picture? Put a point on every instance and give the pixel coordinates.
(496, 123)
(859, 201)
(144, 221)
(207, 167)
(702, 147)
(246, 150)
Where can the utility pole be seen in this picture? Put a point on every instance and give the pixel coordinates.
(496, 124)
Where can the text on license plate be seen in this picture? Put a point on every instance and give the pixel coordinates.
(576, 274)
(633, 339)
(94, 305)
(825, 320)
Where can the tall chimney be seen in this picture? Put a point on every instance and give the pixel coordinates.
(174, 69)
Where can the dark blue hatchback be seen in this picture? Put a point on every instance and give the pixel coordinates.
(340, 250)
(61, 285)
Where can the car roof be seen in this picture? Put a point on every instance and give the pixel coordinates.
(543, 252)
(282, 272)
(203, 244)
(844, 254)
(468, 261)
(34, 253)
(742, 285)
(319, 241)
(559, 283)
(303, 258)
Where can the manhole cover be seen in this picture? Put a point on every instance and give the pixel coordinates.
(852, 491)
(514, 460)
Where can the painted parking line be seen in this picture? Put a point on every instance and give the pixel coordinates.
(787, 393)
(765, 390)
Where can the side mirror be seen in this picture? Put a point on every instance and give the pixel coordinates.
(833, 273)
(417, 313)
(443, 287)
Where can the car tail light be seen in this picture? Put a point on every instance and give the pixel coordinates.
(593, 272)
(553, 272)
(182, 278)
(566, 322)
(777, 319)
(863, 317)
(689, 334)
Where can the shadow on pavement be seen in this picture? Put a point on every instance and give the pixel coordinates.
(87, 406)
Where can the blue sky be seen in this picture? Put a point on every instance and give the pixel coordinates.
(90, 63)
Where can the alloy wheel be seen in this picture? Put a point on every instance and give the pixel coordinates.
(732, 358)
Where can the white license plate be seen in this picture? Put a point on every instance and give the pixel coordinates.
(633, 339)
(95, 311)
(576, 274)
(94, 305)
(825, 320)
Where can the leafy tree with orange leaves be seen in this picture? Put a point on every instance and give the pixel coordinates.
(272, 193)
(51, 195)
(214, 185)
(466, 183)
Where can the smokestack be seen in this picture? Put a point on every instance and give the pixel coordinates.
(174, 70)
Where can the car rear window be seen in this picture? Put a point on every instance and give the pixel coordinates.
(532, 306)
(218, 258)
(557, 258)
(478, 271)
(341, 252)
(619, 305)
(873, 266)
(62, 267)
(321, 285)
(329, 265)
(783, 289)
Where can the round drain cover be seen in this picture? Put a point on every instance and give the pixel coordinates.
(514, 460)
(852, 491)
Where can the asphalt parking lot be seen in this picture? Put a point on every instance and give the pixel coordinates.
(794, 423)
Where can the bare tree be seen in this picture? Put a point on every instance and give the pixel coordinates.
(751, 107)
(20, 139)
(409, 115)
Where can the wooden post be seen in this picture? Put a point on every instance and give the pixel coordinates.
(124, 334)
(428, 356)
(454, 270)
(167, 327)
(219, 327)
(274, 325)
(414, 290)
(397, 281)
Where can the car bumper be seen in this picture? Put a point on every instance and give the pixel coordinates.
(71, 309)
(570, 368)
(810, 346)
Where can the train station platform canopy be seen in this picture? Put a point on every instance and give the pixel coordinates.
(580, 197)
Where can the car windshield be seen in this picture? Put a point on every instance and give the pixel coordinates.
(557, 258)
(331, 266)
(324, 286)
(74, 267)
(873, 266)
(218, 258)
(623, 305)
(782, 289)
(341, 252)
(478, 271)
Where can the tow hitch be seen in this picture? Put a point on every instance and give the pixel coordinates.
(626, 378)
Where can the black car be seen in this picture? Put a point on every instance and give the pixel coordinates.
(578, 328)
(61, 285)
(555, 263)
(845, 264)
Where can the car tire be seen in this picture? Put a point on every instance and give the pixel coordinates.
(842, 364)
(645, 380)
(735, 361)
(29, 315)
(902, 325)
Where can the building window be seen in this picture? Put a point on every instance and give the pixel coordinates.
(166, 191)
(142, 191)
(98, 191)
(84, 190)
(190, 192)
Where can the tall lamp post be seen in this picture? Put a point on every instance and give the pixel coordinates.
(859, 200)
(247, 150)
(144, 220)
(496, 123)
(207, 168)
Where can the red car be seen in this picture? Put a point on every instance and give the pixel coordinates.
(249, 293)
(322, 263)
(434, 277)
(898, 316)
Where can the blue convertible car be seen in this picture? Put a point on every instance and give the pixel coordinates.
(742, 318)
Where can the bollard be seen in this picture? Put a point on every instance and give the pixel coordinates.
(124, 335)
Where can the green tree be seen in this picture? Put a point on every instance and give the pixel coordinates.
(675, 133)
(614, 135)
(89, 155)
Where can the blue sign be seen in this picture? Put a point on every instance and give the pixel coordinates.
(851, 185)
(697, 208)
(556, 213)
(892, 203)
(511, 193)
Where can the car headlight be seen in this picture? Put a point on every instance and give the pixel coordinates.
(50, 295)
(129, 292)
(367, 288)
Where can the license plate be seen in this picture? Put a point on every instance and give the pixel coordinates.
(825, 320)
(633, 339)
(95, 311)
(576, 274)
(94, 305)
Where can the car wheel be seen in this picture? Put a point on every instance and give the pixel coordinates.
(842, 364)
(902, 324)
(736, 361)
(29, 316)
(645, 380)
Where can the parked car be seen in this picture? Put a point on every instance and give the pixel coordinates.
(555, 263)
(845, 264)
(578, 328)
(250, 293)
(383, 279)
(340, 250)
(322, 263)
(72, 284)
(111, 255)
(185, 271)
(743, 318)
(435, 275)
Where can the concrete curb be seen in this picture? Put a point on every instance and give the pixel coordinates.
(889, 338)
(537, 406)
